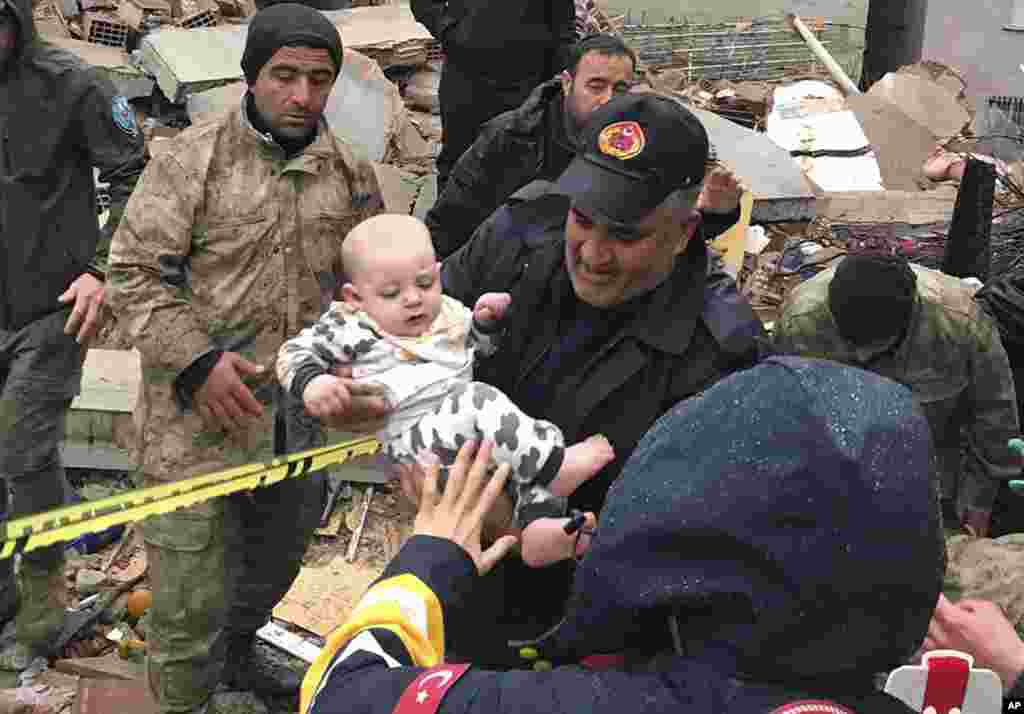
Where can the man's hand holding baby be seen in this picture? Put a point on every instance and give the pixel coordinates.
(326, 396)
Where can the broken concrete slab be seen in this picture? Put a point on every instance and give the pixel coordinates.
(912, 207)
(188, 61)
(364, 107)
(781, 193)
(104, 696)
(206, 105)
(398, 187)
(925, 102)
(387, 33)
(901, 144)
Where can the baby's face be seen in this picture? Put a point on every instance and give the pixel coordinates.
(402, 293)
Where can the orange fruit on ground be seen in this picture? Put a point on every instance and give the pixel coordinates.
(139, 601)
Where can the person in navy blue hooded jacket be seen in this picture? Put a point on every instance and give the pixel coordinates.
(771, 545)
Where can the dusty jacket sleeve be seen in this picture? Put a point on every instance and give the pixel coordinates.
(334, 340)
(479, 183)
(992, 419)
(149, 287)
(113, 142)
(432, 14)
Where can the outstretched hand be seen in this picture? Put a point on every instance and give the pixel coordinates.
(458, 514)
(981, 629)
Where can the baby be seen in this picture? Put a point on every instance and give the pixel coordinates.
(396, 329)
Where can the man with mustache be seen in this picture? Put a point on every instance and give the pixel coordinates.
(231, 245)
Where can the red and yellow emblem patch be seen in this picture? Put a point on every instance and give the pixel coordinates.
(623, 140)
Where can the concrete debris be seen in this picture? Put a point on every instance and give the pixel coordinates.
(103, 696)
(184, 63)
(399, 188)
(388, 34)
(88, 582)
(900, 144)
(781, 192)
(236, 703)
(924, 101)
(422, 90)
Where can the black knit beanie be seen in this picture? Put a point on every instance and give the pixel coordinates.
(287, 24)
(871, 297)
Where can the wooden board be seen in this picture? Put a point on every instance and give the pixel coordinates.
(913, 207)
(322, 598)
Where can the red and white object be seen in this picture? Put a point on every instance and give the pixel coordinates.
(946, 683)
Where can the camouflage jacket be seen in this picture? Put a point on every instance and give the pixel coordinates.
(228, 245)
(951, 359)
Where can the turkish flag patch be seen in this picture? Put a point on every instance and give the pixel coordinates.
(424, 694)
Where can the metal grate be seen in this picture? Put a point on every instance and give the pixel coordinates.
(1012, 106)
(758, 50)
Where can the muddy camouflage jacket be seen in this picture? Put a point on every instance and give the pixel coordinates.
(951, 359)
(228, 245)
(59, 118)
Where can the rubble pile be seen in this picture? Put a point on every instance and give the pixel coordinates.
(885, 166)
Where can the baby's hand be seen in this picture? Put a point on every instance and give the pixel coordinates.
(491, 307)
(326, 396)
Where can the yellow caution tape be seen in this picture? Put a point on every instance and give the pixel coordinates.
(67, 523)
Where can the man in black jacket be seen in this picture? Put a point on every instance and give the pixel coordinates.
(496, 51)
(58, 120)
(613, 319)
(536, 140)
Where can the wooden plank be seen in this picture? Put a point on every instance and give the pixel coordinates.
(321, 598)
(110, 381)
(109, 666)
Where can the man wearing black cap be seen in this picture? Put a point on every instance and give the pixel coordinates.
(59, 121)
(230, 245)
(923, 329)
(772, 545)
(611, 319)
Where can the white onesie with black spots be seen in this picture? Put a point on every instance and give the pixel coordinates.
(436, 405)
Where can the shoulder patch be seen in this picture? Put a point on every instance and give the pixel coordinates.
(124, 116)
(812, 706)
(424, 694)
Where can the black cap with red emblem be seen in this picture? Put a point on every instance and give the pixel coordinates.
(637, 149)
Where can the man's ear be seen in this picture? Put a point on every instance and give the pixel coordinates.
(350, 295)
(437, 270)
(566, 82)
(688, 229)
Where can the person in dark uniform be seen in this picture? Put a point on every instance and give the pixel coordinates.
(59, 119)
(613, 319)
(496, 52)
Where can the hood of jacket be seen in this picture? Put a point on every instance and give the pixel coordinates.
(786, 517)
(27, 36)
